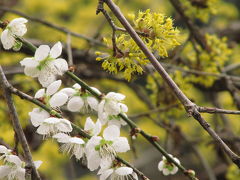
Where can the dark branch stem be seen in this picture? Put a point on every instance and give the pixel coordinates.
(17, 126)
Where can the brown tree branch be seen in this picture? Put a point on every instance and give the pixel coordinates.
(17, 126)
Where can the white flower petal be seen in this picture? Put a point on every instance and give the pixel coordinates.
(93, 161)
(31, 71)
(95, 89)
(165, 172)
(64, 126)
(75, 104)
(68, 91)
(58, 99)
(97, 128)
(4, 171)
(76, 86)
(89, 124)
(3, 149)
(29, 62)
(37, 116)
(112, 107)
(62, 138)
(42, 52)
(53, 87)
(40, 93)
(175, 170)
(93, 103)
(124, 171)
(115, 96)
(106, 174)
(44, 129)
(135, 176)
(7, 39)
(46, 77)
(121, 145)
(76, 140)
(160, 165)
(20, 173)
(123, 107)
(61, 65)
(111, 132)
(56, 50)
(14, 159)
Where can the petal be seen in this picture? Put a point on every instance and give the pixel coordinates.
(124, 171)
(46, 77)
(3, 150)
(76, 86)
(89, 124)
(112, 107)
(42, 52)
(106, 174)
(165, 172)
(68, 91)
(111, 132)
(20, 174)
(40, 93)
(7, 39)
(29, 62)
(160, 165)
(64, 126)
(114, 122)
(18, 21)
(61, 65)
(93, 103)
(37, 116)
(175, 170)
(53, 87)
(37, 164)
(4, 171)
(43, 129)
(75, 104)
(14, 159)
(95, 89)
(31, 71)
(58, 99)
(135, 176)
(56, 50)
(62, 138)
(97, 128)
(76, 140)
(93, 141)
(93, 161)
(121, 145)
(123, 107)
(115, 96)
(177, 160)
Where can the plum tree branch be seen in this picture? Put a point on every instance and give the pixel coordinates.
(30, 167)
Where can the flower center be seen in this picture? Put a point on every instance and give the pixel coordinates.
(44, 63)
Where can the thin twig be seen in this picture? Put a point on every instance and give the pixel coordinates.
(54, 26)
(69, 50)
(17, 126)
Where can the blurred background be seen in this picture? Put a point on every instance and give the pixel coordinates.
(151, 103)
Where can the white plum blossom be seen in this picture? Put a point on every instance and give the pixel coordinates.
(53, 125)
(120, 173)
(37, 116)
(79, 100)
(167, 167)
(51, 96)
(45, 64)
(92, 128)
(4, 152)
(13, 167)
(71, 145)
(101, 151)
(110, 107)
(16, 28)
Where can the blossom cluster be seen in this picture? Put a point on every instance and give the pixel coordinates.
(13, 167)
(101, 147)
(157, 32)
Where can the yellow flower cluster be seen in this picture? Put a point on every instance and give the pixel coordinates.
(200, 9)
(208, 62)
(155, 30)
